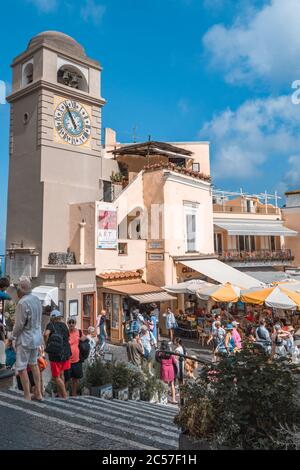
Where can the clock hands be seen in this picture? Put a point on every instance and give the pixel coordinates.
(71, 116)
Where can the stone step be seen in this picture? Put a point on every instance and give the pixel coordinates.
(131, 433)
(108, 410)
(138, 407)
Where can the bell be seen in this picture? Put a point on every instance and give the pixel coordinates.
(66, 77)
(74, 82)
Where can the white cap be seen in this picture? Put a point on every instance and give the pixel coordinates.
(55, 314)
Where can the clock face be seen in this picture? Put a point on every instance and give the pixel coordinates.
(72, 122)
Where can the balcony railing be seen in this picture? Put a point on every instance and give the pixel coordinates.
(258, 255)
(217, 208)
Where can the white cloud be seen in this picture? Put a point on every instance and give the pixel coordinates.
(262, 44)
(91, 10)
(292, 176)
(259, 131)
(45, 6)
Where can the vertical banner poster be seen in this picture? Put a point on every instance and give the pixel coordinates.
(107, 227)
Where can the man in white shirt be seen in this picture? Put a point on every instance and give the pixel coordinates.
(28, 335)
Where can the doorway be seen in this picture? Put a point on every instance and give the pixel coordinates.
(88, 311)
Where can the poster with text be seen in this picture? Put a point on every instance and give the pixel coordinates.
(107, 227)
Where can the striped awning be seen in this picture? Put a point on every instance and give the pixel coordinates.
(153, 297)
(254, 227)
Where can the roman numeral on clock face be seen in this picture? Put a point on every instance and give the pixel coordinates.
(72, 122)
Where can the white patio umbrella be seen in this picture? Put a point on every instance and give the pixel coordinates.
(276, 297)
(188, 287)
(220, 293)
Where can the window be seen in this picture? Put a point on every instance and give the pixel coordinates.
(272, 243)
(241, 242)
(191, 232)
(218, 243)
(88, 313)
(115, 311)
(123, 248)
(191, 226)
(27, 73)
(107, 191)
(246, 242)
(196, 167)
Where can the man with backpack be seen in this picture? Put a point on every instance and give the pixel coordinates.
(80, 349)
(56, 338)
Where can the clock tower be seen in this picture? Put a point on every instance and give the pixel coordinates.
(55, 147)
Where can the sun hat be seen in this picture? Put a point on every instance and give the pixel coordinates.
(55, 314)
(229, 326)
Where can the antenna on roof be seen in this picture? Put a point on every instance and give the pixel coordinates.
(148, 148)
(134, 134)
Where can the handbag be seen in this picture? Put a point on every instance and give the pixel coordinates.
(42, 363)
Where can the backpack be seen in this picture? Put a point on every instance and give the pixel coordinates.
(10, 357)
(84, 348)
(55, 344)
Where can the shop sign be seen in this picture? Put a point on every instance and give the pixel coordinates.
(107, 227)
(155, 256)
(186, 270)
(155, 245)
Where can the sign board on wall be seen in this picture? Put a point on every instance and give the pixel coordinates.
(107, 227)
(155, 256)
(155, 245)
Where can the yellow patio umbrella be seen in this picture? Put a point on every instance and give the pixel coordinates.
(220, 293)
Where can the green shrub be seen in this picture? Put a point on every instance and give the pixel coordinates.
(98, 373)
(152, 386)
(136, 377)
(242, 402)
(120, 375)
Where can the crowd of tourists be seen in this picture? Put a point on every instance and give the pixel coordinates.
(272, 335)
(143, 350)
(24, 347)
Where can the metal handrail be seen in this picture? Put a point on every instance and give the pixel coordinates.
(183, 356)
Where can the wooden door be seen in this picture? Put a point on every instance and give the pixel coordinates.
(116, 321)
(88, 311)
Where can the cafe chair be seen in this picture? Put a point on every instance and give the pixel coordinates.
(202, 336)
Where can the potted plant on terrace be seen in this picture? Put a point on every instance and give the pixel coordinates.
(120, 380)
(154, 389)
(241, 403)
(117, 178)
(136, 381)
(98, 378)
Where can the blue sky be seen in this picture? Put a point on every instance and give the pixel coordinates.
(217, 70)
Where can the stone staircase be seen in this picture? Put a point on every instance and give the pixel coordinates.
(86, 422)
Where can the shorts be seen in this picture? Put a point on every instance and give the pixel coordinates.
(58, 367)
(75, 372)
(25, 357)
